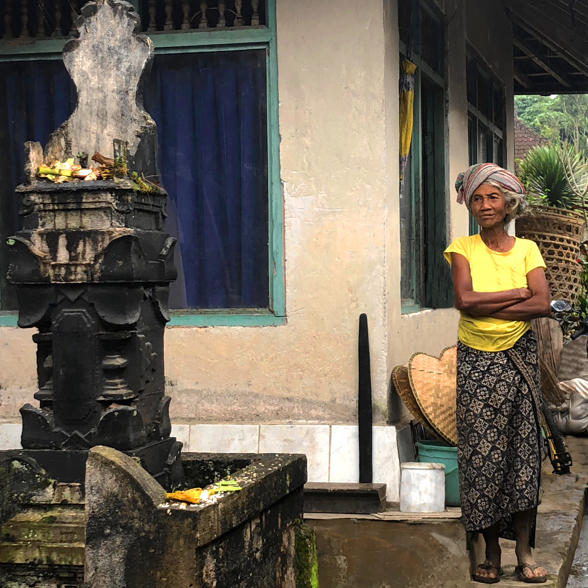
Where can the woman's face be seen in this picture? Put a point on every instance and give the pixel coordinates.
(488, 206)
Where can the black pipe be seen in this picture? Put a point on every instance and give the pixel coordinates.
(365, 403)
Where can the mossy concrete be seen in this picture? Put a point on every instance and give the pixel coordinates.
(127, 534)
(52, 525)
(42, 527)
(136, 538)
(306, 558)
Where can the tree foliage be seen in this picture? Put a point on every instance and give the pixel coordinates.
(561, 119)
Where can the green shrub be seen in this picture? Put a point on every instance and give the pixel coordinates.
(545, 173)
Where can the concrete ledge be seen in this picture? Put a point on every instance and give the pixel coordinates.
(392, 516)
(344, 498)
(249, 534)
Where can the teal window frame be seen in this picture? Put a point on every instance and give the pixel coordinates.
(423, 202)
(263, 37)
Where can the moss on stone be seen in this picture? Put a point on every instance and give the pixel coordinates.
(306, 558)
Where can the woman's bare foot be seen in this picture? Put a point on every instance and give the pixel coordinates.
(489, 571)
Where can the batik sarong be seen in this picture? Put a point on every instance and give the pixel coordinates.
(499, 441)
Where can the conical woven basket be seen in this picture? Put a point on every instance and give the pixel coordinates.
(402, 385)
(558, 234)
(433, 383)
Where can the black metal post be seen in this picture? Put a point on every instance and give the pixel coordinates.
(365, 403)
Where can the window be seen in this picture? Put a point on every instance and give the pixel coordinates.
(486, 117)
(213, 93)
(425, 279)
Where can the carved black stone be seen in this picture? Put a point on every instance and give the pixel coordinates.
(92, 266)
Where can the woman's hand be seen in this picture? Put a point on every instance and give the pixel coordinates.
(480, 303)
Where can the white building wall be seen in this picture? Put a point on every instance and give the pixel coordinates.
(294, 387)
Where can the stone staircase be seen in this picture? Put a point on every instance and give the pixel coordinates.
(43, 544)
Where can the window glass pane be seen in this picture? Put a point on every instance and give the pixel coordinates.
(472, 141)
(35, 98)
(210, 110)
(435, 281)
(498, 119)
(484, 95)
(404, 21)
(484, 141)
(498, 158)
(432, 40)
(471, 75)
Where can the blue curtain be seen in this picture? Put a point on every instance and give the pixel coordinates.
(35, 98)
(39, 97)
(210, 111)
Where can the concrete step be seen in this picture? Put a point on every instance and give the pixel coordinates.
(344, 498)
(579, 570)
(40, 553)
(58, 493)
(51, 536)
(53, 525)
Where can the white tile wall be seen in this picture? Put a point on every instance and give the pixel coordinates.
(332, 450)
(10, 436)
(344, 462)
(224, 438)
(182, 433)
(386, 462)
(312, 440)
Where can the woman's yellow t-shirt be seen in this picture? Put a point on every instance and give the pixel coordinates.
(494, 271)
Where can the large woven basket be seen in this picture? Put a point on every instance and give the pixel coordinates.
(558, 234)
(433, 383)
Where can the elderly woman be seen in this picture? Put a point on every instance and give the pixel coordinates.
(499, 286)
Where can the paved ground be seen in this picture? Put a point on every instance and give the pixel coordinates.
(578, 577)
(356, 552)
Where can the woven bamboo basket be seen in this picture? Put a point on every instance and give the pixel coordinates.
(558, 234)
(402, 384)
(433, 383)
(549, 347)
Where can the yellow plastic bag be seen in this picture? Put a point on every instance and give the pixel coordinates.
(192, 495)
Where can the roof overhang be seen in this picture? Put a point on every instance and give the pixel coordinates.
(550, 45)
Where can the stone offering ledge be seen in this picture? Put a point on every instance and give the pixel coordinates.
(249, 533)
(44, 186)
(132, 530)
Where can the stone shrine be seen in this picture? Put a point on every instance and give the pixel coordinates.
(93, 265)
(84, 503)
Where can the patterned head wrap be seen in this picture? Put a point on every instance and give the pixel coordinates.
(472, 178)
